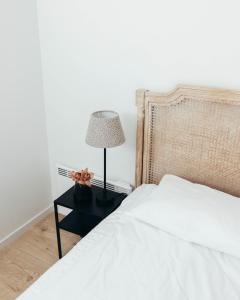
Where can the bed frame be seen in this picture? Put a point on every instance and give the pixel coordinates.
(191, 132)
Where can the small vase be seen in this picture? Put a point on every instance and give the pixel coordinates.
(82, 193)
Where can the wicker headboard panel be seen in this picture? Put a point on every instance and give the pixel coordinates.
(191, 132)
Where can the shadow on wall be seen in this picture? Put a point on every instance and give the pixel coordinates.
(130, 121)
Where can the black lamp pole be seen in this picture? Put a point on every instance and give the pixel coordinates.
(105, 158)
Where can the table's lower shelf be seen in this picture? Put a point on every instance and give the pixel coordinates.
(79, 223)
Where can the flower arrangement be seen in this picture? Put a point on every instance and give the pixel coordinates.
(82, 177)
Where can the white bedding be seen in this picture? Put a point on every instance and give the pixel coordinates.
(124, 258)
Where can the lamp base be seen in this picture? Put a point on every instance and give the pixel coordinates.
(104, 198)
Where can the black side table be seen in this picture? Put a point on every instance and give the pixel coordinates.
(85, 215)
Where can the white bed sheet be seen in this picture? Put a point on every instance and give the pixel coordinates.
(126, 259)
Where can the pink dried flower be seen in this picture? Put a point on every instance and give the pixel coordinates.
(82, 177)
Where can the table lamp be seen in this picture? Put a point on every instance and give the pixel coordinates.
(105, 131)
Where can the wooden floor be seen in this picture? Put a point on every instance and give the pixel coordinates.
(24, 260)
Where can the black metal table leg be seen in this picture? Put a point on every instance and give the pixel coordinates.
(58, 231)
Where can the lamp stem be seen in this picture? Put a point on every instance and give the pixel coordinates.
(105, 158)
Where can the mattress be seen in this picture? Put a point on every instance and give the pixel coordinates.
(126, 258)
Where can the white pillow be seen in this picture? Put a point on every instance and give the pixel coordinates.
(195, 213)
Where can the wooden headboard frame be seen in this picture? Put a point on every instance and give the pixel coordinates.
(191, 132)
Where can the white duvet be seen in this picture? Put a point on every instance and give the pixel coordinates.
(124, 258)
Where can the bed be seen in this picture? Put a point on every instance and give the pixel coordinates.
(150, 247)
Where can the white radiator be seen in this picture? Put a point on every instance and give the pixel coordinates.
(65, 182)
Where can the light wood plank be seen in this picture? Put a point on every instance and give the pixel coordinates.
(28, 257)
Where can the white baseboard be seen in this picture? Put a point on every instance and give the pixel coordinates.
(63, 210)
(20, 230)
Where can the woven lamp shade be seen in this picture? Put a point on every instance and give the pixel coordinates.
(105, 130)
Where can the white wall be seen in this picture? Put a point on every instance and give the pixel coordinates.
(95, 55)
(24, 172)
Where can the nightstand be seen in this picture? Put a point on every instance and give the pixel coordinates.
(85, 215)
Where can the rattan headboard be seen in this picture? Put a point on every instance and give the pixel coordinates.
(191, 132)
